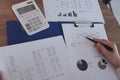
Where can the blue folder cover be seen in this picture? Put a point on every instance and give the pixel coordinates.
(16, 33)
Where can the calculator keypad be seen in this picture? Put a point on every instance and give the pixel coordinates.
(34, 21)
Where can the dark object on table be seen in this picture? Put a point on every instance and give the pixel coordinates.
(106, 1)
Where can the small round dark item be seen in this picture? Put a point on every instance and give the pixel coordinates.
(82, 65)
(102, 64)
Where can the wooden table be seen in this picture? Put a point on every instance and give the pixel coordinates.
(6, 13)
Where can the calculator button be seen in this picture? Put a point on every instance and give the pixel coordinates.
(34, 23)
(28, 27)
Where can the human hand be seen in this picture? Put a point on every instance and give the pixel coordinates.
(112, 57)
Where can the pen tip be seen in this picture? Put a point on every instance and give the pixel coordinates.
(87, 37)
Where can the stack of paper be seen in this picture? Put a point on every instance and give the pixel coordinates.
(37, 60)
(73, 10)
(87, 63)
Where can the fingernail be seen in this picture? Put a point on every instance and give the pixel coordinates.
(98, 44)
(95, 38)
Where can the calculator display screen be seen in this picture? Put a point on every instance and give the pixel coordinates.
(26, 9)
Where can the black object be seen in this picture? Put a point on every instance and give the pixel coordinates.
(106, 46)
(106, 1)
(104, 61)
(102, 64)
(82, 65)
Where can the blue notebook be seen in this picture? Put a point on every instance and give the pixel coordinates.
(16, 33)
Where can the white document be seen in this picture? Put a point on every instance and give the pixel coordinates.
(49, 59)
(73, 10)
(45, 59)
(87, 63)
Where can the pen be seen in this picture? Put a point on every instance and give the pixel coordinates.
(106, 46)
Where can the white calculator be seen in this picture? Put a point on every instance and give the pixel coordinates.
(30, 17)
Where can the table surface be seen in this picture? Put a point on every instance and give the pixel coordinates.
(6, 13)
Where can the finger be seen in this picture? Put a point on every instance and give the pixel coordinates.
(103, 50)
(116, 50)
(103, 41)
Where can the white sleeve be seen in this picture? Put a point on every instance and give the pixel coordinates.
(118, 73)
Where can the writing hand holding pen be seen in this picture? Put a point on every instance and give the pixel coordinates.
(106, 46)
(112, 56)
